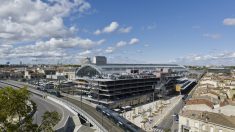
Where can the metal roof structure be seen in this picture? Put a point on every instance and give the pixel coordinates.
(92, 69)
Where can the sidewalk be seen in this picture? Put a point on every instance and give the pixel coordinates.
(151, 114)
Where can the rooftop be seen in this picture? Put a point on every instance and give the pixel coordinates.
(205, 116)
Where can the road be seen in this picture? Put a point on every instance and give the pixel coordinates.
(167, 122)
(44, 105)
(107, 123)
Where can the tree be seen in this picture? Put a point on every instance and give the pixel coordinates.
(14, 107)
(167, 130)
(49, 120)
(16, 112)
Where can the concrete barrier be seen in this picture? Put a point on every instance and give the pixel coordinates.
(89, 118)
(69, 126)
(71, 107)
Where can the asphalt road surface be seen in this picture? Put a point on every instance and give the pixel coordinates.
(167, 122)
(44, 105)
(107, 123)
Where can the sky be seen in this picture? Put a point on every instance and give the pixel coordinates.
(187, 32)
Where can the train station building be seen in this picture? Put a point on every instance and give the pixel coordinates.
(118, 85)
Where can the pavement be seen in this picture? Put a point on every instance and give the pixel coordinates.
(103, 120)
(157, 113)
(44, 105)
(167, 121)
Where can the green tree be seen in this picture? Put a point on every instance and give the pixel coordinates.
(167, 130)
(15, 109)
(50, 119)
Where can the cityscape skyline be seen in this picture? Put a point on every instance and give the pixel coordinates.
(52, 31)
(117, 66)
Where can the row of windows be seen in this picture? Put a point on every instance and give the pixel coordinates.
(203, 127)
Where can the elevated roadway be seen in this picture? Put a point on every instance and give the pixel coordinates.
(104, 121)
(44, 105)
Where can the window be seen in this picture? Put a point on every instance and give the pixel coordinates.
(187, 123)
(211, 129)
(203, 127)
(196, 125)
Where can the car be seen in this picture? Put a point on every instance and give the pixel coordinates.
(176, 117)
(185, 97)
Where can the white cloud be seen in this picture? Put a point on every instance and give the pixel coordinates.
(110, 50)
(125, 30)
(150, 27)
(222, 58)
(212, 36)
(5, 50)
(84, 5)
(39, 26)
(53, 47)
(69, 43)
(22, 20)
(124, 43)
(229, 22)
(97, 32)
(84, 53)
(133, 41)
(121, 44)
(113, 27)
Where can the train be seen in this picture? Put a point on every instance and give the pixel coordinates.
(126, 125)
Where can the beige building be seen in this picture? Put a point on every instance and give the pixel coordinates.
(202, 121)
(70, 73)
(212, 106)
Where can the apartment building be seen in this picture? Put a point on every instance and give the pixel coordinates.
(203, 121)
(212, 106)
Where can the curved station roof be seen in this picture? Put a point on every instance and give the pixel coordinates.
(92, 69)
